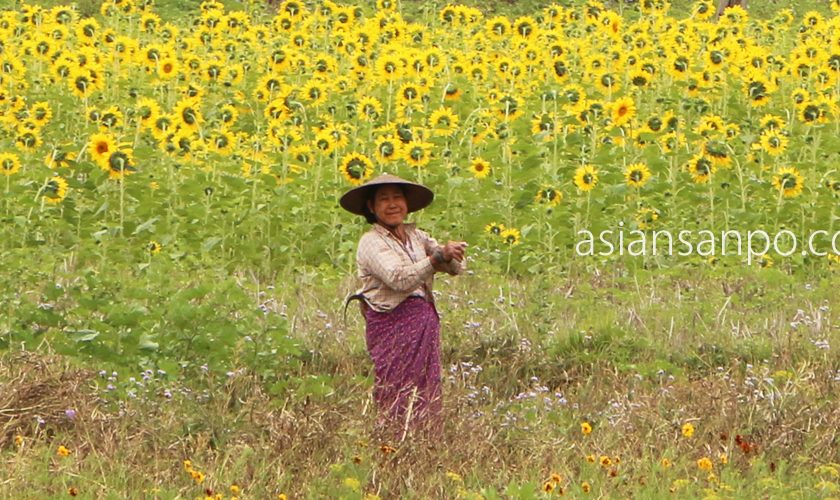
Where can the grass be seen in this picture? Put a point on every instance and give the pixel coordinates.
(635, 356)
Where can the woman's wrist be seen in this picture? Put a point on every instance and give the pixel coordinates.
(437, 257)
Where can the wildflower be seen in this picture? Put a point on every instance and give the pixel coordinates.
(18, 440)
(585, 428)
(705, 464)
(688, 429)
(548, 487)
(724, 459)
(665, 463)
(386, 449)
(585, 486)
(234, 489)
(590, 459)
(73, 491)
(556, 478)
(605, 461)
(352, 483)
(63, 451)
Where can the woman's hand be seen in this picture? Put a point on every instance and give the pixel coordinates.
(454, 250)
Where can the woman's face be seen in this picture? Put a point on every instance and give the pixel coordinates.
(389, 205)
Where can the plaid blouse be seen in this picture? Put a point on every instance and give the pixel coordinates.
(391, 272)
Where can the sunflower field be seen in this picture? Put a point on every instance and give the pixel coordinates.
(170, 188)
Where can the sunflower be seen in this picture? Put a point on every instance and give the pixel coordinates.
(548, 195)
(315, 92)
(9, 164)
(758, 88)
(637, 175)
(389, 67)
(701, 169)
(508, 108)
(769, 122)
(586, 178)
(154, 247)
(494, 229)
(87, 30)
(41, 113)
(148, 110)
(607, 82)
(703, 10)
(646, 217)
(58, 158)
(325, 142)
(55, 190)
(717, 151)
(498, 28)
(511, 236)
(111, 118)
(356, 168)
(119, 163)
(814, 111)
(387, 148)
(101, 146)
(161, 126)
(480, 168)
(773, 141)
(187, 114)
(789, 182)
(369, 108)
(28, 140)
(283, 136)
(443, 122)
(221, 142)
(82, 82)
(417, 153)
(623, 110)
(639, 78)
(543, 125)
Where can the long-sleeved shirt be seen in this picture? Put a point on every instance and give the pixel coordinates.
(390, 271)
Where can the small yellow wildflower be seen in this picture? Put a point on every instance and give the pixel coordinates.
(63, 451)
(234, 489)
(585, 486)
(688, 429)
(585, 428)
(590, 459)
(18, 440)
(705, 464)
(665, 463)
(605, 461)
(723, 458)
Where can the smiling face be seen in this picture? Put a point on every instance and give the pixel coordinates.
(389, 205)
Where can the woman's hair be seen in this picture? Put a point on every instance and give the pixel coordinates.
(370, 195)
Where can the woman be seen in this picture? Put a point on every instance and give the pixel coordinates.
(396, 263)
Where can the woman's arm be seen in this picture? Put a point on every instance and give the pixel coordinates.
(454, 266)
(381, 261)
